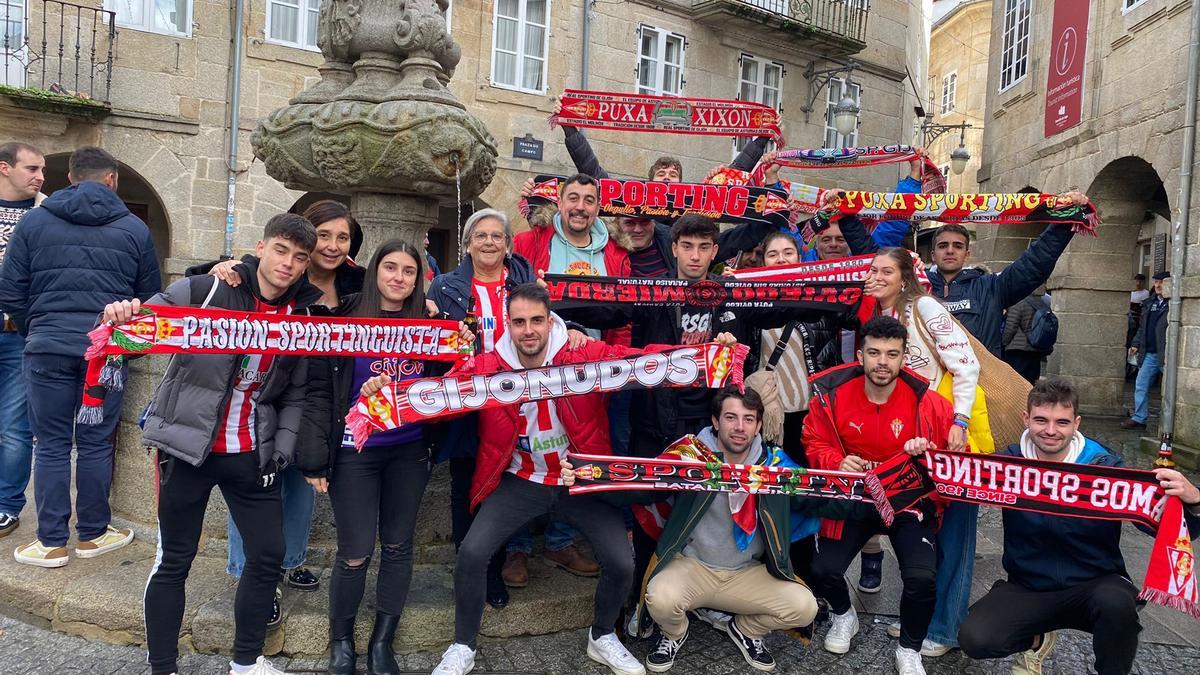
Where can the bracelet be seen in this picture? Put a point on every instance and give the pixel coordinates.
(960, 423)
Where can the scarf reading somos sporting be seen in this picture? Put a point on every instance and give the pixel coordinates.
(410, 401)
(571, 291)
(667, 114)
(854, 268)
(167, 329)
(932, 179)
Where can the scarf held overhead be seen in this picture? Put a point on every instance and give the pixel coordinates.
(961, 208)
(668, 114)
(165, 329)
(568, 292)
(668, 201)
(842, 269)
(932, 179)
(706, 365)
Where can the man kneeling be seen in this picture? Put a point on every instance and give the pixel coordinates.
(707, 558)
(1063, 572)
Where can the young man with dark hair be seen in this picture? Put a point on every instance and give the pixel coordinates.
(518, 478)
(1063, 572)
(87, 230)
(21, 178)
(862, 415)
(228, 421)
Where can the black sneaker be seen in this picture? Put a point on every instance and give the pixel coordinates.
(871, 576)
(303, 580)
(663, 657)
(752, 649)
(8, 523)
(276, 610)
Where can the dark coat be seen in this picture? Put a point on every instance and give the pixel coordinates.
(1142, 338)
(80, 251)
(1017, 323)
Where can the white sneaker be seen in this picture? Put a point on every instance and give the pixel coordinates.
(893, 630)
(713, 617)
(908, 662)
(934, 649)
(112, 539)
(842, 628)
(262, 667)
(459, 659)
(1031, 662)
(609, 651)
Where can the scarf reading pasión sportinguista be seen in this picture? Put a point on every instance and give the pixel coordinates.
(932, 179)
(961, 208)
(668, 201)
(706, 365)
(570, 292)
(1064, 489)
(165, 329)
(667, 114)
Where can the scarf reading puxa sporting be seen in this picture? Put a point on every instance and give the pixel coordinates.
(932, 179)
(667, 114)
(572, 291)
(165, 329)
(410, 401)
(960, 208)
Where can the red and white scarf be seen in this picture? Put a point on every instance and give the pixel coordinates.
(842, 269)
(932, 179)
(667, 114)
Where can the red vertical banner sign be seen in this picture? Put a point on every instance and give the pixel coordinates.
(1068, 51)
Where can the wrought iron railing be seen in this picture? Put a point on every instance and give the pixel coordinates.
(845, 18)
(57, 47)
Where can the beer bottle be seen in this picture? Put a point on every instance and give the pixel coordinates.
(1165, 459)
(471, 319)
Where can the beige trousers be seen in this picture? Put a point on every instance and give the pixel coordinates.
(761, 602)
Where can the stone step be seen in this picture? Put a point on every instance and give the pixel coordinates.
(1184, 456)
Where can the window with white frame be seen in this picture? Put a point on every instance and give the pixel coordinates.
(293, 22)
(520, 40)
(949, 89)
(836, 90)
(171, 17)
(1014, 55)
(1127, 5)
(760, 81)
(660, 62)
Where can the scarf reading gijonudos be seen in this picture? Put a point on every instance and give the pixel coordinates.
(569, 292)
(668, 201)
(667, 114)
(396, 404)
(932, 179)
(165, 329)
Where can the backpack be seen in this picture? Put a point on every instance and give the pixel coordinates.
(1043, 329)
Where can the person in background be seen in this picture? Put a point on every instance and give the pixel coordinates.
(1018, 353)
(1136, 297)
(1149, 346)
(22, 169)
(432, 270)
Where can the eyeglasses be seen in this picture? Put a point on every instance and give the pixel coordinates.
(487, 236)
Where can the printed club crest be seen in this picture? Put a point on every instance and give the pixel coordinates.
(897, 427)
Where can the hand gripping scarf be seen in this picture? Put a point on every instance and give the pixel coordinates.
(569, 292)
(667, 114)
(932, 179)
(165, 329)
(706, 365)
(1063, 489)
(668, 201)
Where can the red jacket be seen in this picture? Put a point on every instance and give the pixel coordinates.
(841, 421)
(584, 417)
(534, 245)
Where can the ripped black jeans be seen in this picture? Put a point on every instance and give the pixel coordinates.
(376, 489)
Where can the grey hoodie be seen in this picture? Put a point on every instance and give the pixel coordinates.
(712, 541)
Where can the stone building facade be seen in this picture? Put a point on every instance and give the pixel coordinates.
(958, 83)
(1125, 154)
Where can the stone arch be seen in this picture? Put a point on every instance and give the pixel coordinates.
(137, 193)
(1092, 282)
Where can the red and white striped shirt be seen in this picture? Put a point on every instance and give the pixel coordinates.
(542, 448)
(489, 310)
(236, 431)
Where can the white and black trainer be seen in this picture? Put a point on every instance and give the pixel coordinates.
(662, 658)
(754, 650)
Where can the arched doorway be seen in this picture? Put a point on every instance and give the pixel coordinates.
(1093, 280)
(137, 194)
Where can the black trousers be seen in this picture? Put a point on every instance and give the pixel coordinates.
(376, 490)
(1027, 364)
(1006, 620)
(915, 544)
(462, 472)
(258, 514)
(514, 503)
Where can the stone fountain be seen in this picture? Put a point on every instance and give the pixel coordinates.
(380, 124)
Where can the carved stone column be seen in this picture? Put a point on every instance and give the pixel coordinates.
(388, 216)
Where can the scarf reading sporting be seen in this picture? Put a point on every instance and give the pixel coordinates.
(932, 179)
(706, 365)
(964, 208)
(669, 114)
(165, 329)
(668, 201)
(569, 292)
(1066, 489)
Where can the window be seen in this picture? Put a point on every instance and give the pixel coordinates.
(520, 38)
(760, 81)
(172, 17)
(949, 88)
(293, 22)
(837, 89)
(1014, 57)
(1127, 5)
(660, 62)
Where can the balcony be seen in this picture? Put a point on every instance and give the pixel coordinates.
(58, 56)
(838, 25)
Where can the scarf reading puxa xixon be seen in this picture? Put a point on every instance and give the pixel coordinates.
(667, 114)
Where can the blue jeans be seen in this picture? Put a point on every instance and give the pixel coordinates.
(298, 497)
(955, 569)
(54, 389)
(16, 439)
(559, 535)
(1150, 368)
